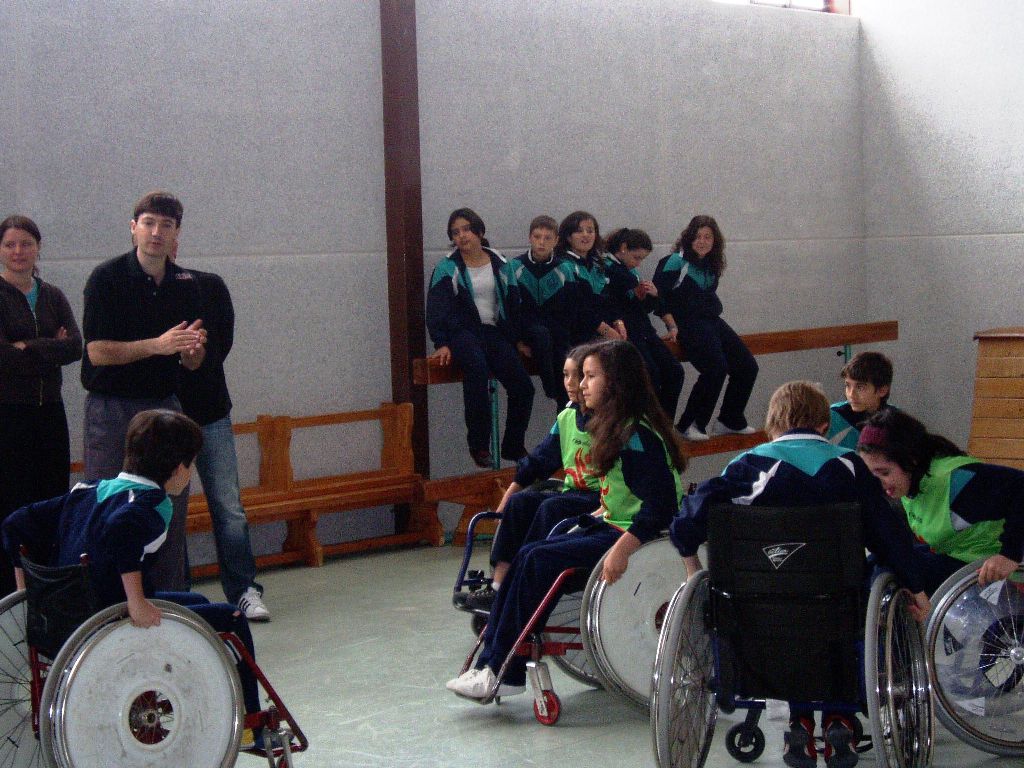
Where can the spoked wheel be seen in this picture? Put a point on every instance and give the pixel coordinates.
(745, 743)
(683, 708)
(898, 692)
(554, 709)
(975, 640)
(19, 747)
(577, 664)
(169, 695)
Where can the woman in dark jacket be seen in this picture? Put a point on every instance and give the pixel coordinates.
(38, 335)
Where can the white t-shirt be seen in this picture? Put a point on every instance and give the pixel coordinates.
(484, 294)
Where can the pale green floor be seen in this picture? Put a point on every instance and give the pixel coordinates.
(360, 651)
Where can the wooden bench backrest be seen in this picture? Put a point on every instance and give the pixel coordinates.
(396, 457)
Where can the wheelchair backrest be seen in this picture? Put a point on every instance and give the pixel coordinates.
(59, 600)
(787, 589)
(786, 550)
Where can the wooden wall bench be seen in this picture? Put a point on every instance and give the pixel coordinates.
(483, 490)
(278, 496)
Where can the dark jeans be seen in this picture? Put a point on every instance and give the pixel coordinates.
(533, 572)
(530, 516)
(479, 353)
(716, 351)
(106, 424)
(34, 460)
(217, 465)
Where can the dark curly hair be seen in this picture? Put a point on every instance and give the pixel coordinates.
(715, 260)
(900, 438)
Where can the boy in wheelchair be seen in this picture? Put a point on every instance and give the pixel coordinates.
(801, 468)
(118, 523)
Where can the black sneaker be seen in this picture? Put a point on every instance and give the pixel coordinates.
(482, 457)
(839, 752)
(478, 601)
(798, 749)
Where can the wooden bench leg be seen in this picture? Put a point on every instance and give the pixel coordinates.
(302, 537)
(423, 519)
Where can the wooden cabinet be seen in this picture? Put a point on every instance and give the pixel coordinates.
(997, 421)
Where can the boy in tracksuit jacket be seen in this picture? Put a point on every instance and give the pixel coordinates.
(119, 523)
(867, 381)
(546, 287)
(800, 467)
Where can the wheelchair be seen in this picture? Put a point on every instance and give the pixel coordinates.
(602, 635)
(975, 641)
(559, 639)
(114, 694)
(784, 592)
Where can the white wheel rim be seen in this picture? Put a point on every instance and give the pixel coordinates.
(624, 619)
(156, 697)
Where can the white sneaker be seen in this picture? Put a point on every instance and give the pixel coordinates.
(695, 434)
(251, 604)
(721, 429)
(478, 684)
(466, 676)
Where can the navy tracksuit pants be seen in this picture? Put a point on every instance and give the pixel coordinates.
(716, 351)
(549, 345)
(530, 516)
(666, 373)
(533, 572)
(479, 353)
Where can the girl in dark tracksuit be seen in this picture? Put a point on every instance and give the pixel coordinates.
(473, 318)
(632, 299)
(961, 509)
(529, 515)
(687, 281)
(580, 245)
(639, 458)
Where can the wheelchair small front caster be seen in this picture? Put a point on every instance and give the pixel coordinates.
(744, 743)
(546, 706)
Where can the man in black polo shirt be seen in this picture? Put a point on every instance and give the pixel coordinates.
(141, 324)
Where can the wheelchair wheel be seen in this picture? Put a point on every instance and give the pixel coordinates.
(168, 695)
(895, 670)
(577, 664)
(622, 621)
(683, 708)
(975, 641)
(19, 746)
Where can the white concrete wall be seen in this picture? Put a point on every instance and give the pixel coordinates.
(266, 119)
(943, 113)
(646, 114)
